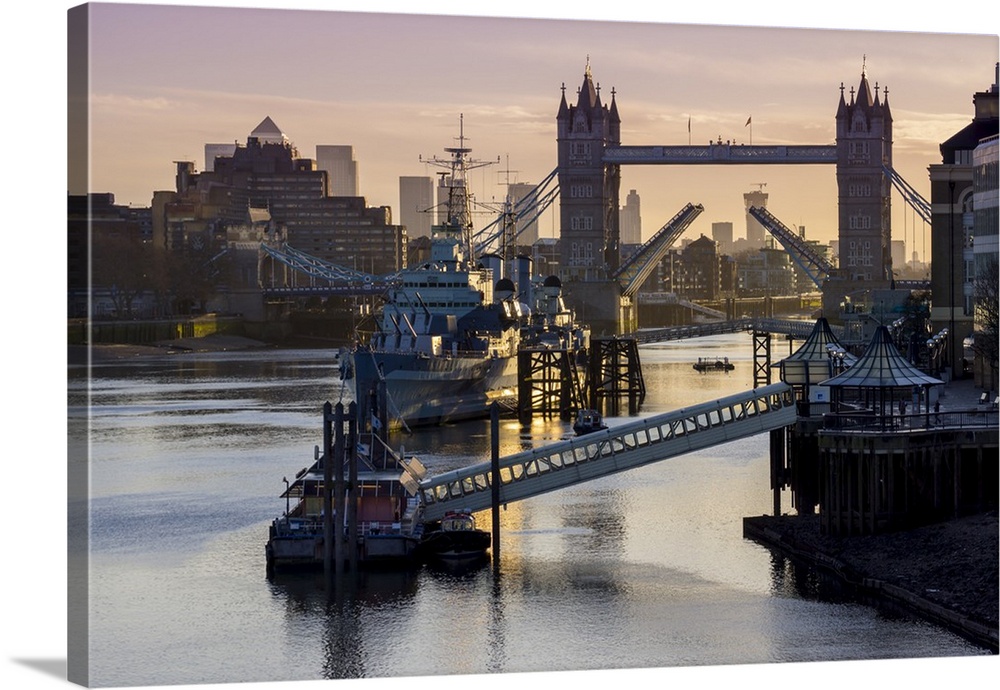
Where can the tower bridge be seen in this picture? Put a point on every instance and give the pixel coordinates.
(600, 286)
(591, 153)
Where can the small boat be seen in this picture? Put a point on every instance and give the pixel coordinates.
(588, 421)
(456, 539)
(705, 364)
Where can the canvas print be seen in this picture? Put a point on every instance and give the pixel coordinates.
(423, 346)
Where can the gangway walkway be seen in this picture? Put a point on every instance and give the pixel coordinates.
(598, 454)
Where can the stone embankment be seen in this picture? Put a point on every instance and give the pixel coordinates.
(209, 343)
(945, 572)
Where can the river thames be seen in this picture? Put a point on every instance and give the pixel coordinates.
(647, 568)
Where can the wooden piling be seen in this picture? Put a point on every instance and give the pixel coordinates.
(615, 372)
(495, 482)
(352, 487)
(336, 463)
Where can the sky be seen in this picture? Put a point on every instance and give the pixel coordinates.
(166, 80)
(311, 103)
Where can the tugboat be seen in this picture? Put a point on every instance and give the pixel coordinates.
(588, 421)
(456, 539)
(706, 364)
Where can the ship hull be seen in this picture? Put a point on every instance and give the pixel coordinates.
(426, 390)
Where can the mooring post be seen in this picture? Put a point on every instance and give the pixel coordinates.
(352, 486)
(327, 490)
(777, 447)
(495, 481)
(338, 490)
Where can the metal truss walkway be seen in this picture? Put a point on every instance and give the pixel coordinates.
(598, 454)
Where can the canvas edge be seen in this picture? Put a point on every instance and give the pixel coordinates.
(78, 461)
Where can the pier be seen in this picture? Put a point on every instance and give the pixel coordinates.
(644, 441)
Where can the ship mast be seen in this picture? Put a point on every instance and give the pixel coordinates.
(458, 221)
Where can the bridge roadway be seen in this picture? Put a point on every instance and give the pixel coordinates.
(797, 329)
(566, 463)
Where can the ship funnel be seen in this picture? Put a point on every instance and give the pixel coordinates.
(494, 262)
(522, 277)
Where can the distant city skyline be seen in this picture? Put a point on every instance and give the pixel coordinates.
(385, 85)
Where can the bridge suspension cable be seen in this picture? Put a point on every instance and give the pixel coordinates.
(910, 195)
(522, 213)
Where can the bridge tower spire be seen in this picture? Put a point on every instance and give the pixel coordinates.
(864, 150)
(589, 202)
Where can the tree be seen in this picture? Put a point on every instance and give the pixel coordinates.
(984, 290)
(119, 265)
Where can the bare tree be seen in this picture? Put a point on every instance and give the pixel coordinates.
(985, 289)
(119, 265)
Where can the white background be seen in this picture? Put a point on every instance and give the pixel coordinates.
(33, 547)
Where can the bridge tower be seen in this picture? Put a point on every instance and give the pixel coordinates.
(588, 200)
(864, 150)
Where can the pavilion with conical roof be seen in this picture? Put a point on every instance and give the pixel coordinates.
(820, 357)
(879, 379)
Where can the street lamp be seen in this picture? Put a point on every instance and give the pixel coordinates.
(287, 498)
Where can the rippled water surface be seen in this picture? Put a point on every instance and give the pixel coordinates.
(641, 569)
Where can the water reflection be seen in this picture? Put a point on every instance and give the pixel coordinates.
(346, 612)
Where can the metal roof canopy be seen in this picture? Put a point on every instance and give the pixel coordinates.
(881, 374)
(814, 361)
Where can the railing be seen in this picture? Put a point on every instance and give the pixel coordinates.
(867, 422)
(558, 465)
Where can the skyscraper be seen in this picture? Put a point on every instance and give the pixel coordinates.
(213, 151)
(416, 199)
(630, 220)
(723, 234)
(528, 231)
(341, 168)
(755, 231)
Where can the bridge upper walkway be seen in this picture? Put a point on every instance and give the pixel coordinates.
(798, 329)
(565, 463)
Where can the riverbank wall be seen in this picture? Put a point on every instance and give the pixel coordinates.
(945, 573)
(145, 332)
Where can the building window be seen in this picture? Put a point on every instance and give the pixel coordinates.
(860, 221)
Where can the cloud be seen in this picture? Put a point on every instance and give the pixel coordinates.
(120, 102)
(918, 130)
